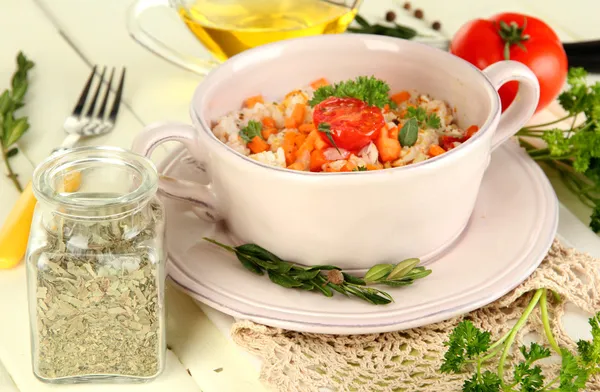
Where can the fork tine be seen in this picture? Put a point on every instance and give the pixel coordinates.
(106, 94)
(117, 102)
(82, 98)
(90, 110)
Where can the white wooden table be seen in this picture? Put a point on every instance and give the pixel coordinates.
(65, 38)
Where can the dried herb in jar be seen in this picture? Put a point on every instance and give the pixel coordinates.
(99, 296)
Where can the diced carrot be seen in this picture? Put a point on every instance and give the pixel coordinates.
(394, 132)
(320, 143)
(386, 108)
(257, 145)
(309, 143)
(374, 167)
(289, 123)
(435, 150)
(251, 101)
(319, 83)
(400, 97)
(307, 128)
(291, 142)
(298, 114)
(389, 149)
(471, 131)
(269, 122)
(349, 166)
(317, 160)
(296, 166)
(267, 131)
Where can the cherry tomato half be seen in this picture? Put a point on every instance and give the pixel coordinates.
(352, 123)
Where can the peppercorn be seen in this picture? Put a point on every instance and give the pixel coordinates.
(407, 6)
(419, 14)
(335, 277)
(390, 16)
(436, 25)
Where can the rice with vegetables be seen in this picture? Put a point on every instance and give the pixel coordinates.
(349, 126)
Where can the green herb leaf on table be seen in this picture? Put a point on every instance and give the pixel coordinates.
(409, 133)
(325, 278)
(11, 127)
(251, 130)
(393, 30)
(373, 91)
(575, 152)
(470, 350)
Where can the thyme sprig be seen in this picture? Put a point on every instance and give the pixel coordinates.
(327, 278)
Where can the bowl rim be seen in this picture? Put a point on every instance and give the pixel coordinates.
(209, 82)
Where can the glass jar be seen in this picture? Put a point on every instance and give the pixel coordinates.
(96, 268)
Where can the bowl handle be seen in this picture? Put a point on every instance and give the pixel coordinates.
(200, 195)
(524, 104)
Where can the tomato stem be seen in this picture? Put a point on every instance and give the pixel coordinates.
(512, 34)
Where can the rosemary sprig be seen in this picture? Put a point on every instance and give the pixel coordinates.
(394, 30)
(11, 128)
(327, 278)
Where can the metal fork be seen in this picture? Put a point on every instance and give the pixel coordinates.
(93, 123)
(80, 124)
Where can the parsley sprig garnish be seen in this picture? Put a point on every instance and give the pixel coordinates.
(251, 130)
(573, 152)
(11, 127)
(373, 91)
(327, 278)
(471, 350)
(425, 120)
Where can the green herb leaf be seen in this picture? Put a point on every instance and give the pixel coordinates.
(418, 113)
(249, 265)
(373, 91)
(378, 272)
(324, 267)
(353, 279)
(465, 343)
(397, 283)
(282, 280)
(250, 131)
(572, 376)
(487, 382)
(257, 251)
(305, 274)
(324, 289)
(403, 268)
(360, 168)
(433, 121)
(18, 128)
(338, 288)
(255, 260)
(12, 152)
(409, 133)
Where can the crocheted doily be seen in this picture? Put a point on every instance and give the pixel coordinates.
(410, 360)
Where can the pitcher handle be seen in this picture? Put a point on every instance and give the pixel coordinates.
(147, 40)
(524, 104)
(200, 195)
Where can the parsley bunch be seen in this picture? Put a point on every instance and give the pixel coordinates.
(373, 91)
(471, 349)
(573, 152)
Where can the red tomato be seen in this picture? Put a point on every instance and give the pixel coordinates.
(483, 42)
(352, 123)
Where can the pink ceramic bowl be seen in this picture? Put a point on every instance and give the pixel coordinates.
(351, 219)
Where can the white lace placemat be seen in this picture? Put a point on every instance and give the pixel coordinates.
(410, 360)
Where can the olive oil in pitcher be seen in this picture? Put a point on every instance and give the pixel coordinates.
(228, 27)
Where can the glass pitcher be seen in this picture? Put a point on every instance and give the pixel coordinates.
(228, 27)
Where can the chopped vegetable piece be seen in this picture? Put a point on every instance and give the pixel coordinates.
(317, 160)
(269, 122)
(250, 131)
(435, 150)
(389, 149)
(319, 83)
(258, 145)
(266, 132)
(250, 102)
(401, 97)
